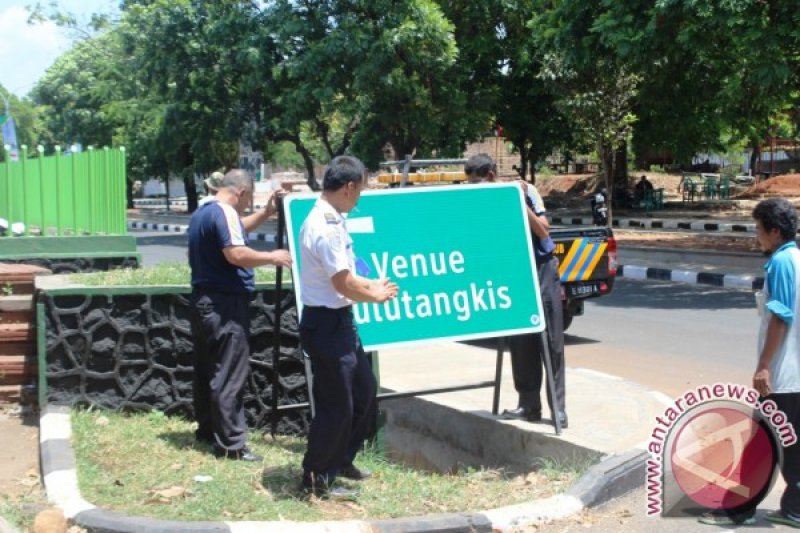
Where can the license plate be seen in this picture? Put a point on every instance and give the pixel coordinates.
(582, 290)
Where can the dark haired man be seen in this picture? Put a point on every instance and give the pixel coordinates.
(526, 350)
(777, 374)
(344, 386)
(222, 287)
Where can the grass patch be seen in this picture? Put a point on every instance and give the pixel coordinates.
(162, 274)
(148, 465)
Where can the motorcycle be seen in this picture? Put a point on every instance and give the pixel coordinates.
(599, 209)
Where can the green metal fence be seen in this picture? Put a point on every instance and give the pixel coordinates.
(65, 194)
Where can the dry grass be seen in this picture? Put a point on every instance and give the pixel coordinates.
(148, 464)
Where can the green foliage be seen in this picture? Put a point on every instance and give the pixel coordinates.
(181, 82)
(30, 128)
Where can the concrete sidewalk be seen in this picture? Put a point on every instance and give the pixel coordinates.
(607, 415)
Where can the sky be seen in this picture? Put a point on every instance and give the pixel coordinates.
(26, 51)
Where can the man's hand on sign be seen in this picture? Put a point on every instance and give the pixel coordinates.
(273, 201)
(385, 290)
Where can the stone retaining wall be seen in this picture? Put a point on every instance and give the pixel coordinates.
(132, 349)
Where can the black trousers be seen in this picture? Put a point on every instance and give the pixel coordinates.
(527, 363)
(344, 392)
(789, 403)
(220, 328)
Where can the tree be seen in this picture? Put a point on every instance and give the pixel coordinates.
(91, 96)
(599, 90)
(710, 70)
(30, 128)
(360, 74)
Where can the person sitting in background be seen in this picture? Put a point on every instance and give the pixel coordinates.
(642, 187)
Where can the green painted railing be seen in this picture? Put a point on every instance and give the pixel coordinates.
(73, 194)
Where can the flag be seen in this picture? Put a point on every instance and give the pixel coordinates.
(10, 133)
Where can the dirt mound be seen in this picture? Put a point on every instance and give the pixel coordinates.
(573, 190)
(784, 185)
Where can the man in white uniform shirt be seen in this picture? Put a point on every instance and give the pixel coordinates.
(344, 386)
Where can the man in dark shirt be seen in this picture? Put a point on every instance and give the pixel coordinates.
(222, 285)
(526, 350)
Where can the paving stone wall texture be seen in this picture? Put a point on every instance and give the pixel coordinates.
(135, 352)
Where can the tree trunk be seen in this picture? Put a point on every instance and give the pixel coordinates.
(191, 191)
(621, 166)
(129, 192)
(523, 161)
(755, 155)
(308, 161)
(166, 187)
(608, 160)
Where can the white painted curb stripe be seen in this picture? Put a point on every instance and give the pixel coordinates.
(684, 276)
(634, 272)
(54, 426)
(741, 282)
(62, 490)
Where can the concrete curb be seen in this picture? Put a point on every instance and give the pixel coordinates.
(620, 223)
(182, 228)
(612, 477)
(716, 279)
(657, 223)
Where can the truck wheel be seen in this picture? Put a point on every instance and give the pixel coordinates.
(567, 318)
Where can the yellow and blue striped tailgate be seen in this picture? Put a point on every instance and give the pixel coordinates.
(581, 259)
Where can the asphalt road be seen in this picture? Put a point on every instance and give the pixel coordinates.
(668, 336)
(160, 247)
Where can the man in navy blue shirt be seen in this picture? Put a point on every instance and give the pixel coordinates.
(222, 286)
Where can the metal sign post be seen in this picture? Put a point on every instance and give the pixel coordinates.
(551, 386)
(278, 312)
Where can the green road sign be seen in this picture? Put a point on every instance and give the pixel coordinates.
(461, 255)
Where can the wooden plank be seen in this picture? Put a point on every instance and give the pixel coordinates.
(17, 370)
(17, 333)
(27, 348)
(16, 303)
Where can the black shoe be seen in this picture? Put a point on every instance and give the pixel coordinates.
(351, 471)
(335, 493)
(564, 422)
(243, 454)
(522, 413)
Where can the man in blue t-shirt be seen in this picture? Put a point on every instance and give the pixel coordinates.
(222, 285)
(777, 372)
